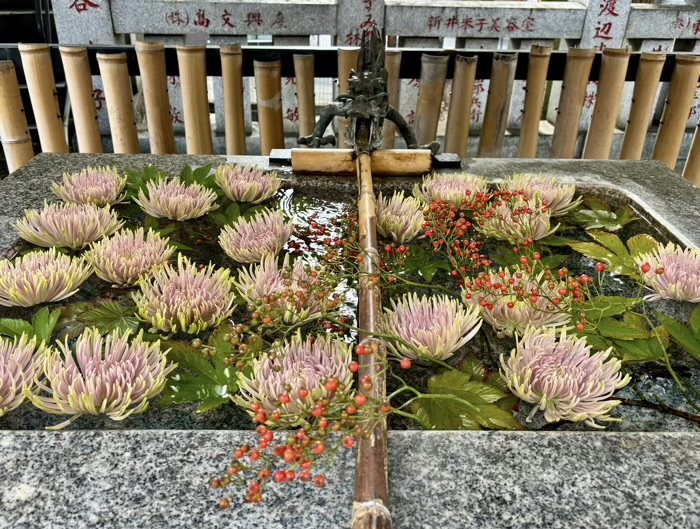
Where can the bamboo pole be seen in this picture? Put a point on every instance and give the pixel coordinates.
(151, 57)
(459, 115)
(571, 100)
(392, 60)
(537, 66)
(38, 72)
(433, 72)
(268, 84)
(613, 71)
(79, 81)
(195, 102)
(645, 87)
(304, 71)
(371, 505)
(234, 115)
(119, 99)
(347, 60)
(385, 162)
(679, 100)
(691, 171)
(493, 130)
(14, 133)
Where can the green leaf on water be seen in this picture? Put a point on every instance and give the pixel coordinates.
(694, 321)
(15, 327)
(105, 315)
(443, 414)
(681, 334)
(642, 243)
(44, 323)
(603, 306)
(611, 241)
(423, 262)
(460, 385)
(611, 328)
(473, 367)
(596, 214)
(632, 351)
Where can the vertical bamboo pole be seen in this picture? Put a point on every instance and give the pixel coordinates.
(537, 66)
(645, 87)
(234, 115)
(393, 87)
(347, 60)
(151, 57)
(679, 100)
(38, 72)
(371, 505)
(433, 72)
(304, 71)
(493, 130)
(268, 84)
(571, 100)
(14, 133)
(691, 171)
(79, 82)
(192, 62)
(119, 99)
(613, 71)
(459, 114)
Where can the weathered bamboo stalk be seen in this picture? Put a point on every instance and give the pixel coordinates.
(347, 60)
(433, 72)
(151, 57)
(304, 71)
(234, 115)
(14, 133)
(537, 66)
(645, 87)
(385, 162)
(679, 100)
(691, 171)
(613, 71)
(195, 102)
(459, 115)
(79, 81)
(371, 506)
(38, 72)
(119, 99)
(571, 100)
(393, 87)
(268, 84)
(493, 130)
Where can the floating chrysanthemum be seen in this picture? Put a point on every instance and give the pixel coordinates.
(291, 290)
(559, 198)
(172, 199)
(67, 225)
(398, 217)
(297, 365)
(450, 187)
(672, 272)
(184, 298)
(20, 362)
(249, 240)
(105, 376)
(128, 255)
(436, 326)
(516, 220)
(562, 378)
(41, 277)
(101, 186)
(247, 184)
(510, 307)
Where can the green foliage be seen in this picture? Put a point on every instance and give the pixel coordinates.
(596, 214)
(202, 176)
(612, 251)
(688, 336)
(42, 325)
(105, 315)
(137, 180)
(423, 262)
(603, 306)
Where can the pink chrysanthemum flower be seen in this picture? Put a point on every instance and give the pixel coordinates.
(562, 378)
(516, 220)
(105, 376)
(101, 186)
(67, 225)
(559, 198)
(282, 286)
(20, 362)
(41, 277)
(673, 272)
(249, 240)
(128, 255)
(509, 307)
(454, 188)
(247, 184)
(398, 217)
(184, 299)
(436, 326)
(298, 364)
(172, 199)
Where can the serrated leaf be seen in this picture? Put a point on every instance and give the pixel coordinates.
(105, 315)
(604, 306)
(593, 219)
(496, 417)
(694, 321)
(443, 414)
(218, 218)
(44, 322)
(553, 261)
(425, 263)
(611, 241)
(641, 243)
(554, 240)
(15, 327)
(681, 334)
(596, 342)
(459, 384)
(634, 320)
(596, 204)
(612, 328)
(597, 253)
(473, 367)
(646, 350)
(232, 212)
